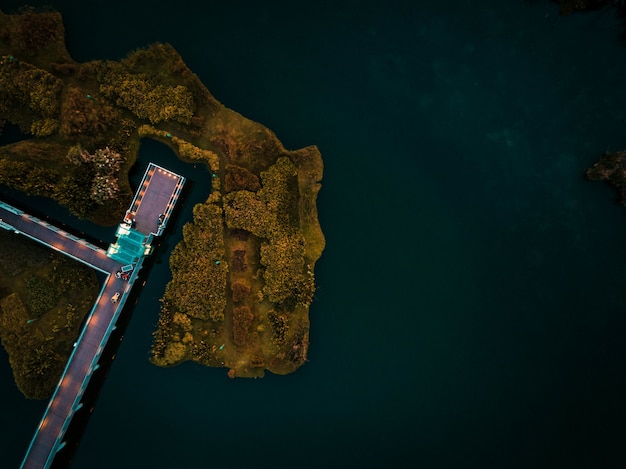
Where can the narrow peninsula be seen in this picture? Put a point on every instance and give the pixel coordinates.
(243, 276)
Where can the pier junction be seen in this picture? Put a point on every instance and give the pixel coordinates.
(146, 219)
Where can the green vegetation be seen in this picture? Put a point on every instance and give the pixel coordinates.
(43, 298)
(183, 148)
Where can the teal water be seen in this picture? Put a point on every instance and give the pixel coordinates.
(471, 302)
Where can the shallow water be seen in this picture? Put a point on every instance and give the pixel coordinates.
(471, 300)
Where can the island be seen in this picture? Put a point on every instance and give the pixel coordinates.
(611, 167)
(567, 7)
(243, 276)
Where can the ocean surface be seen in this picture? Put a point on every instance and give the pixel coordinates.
(471, 301)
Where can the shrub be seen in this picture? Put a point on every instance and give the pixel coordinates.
(41, 295)
(238, 178)
(240, 291)
(30, 32)
(198, 285)
(146, 98)
(238, 261)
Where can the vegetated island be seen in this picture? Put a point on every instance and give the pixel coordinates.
(242, 278)
(611, 167)
(567, 7)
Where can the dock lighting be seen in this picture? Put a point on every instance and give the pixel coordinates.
(123, 230)
(168, 135)
(217, 262)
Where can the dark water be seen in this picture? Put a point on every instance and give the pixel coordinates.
(471, 302)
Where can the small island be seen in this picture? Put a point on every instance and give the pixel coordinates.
(242, 278)
(611, 167)
(567, 7)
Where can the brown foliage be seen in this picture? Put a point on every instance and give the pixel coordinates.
(296, 353)
(83, 116)
(257, 361)
(31, 32)
(280, 326)
(611, 167)
(238, 178)
(238, 261)
(222, 144)
(242, 318)
(240, 291)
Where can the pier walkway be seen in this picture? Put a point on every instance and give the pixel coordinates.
(146, 218)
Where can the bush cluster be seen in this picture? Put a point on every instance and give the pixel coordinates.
(271, 213)
(85, 117)
(30, 97)
(242, 318)
(240, 290)
(280, 326)
(41, 295)
(30, 31)
(105, 164)
(144, 96)
(198, 285)
(240, 179)
(185, 149)
(28, 177)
